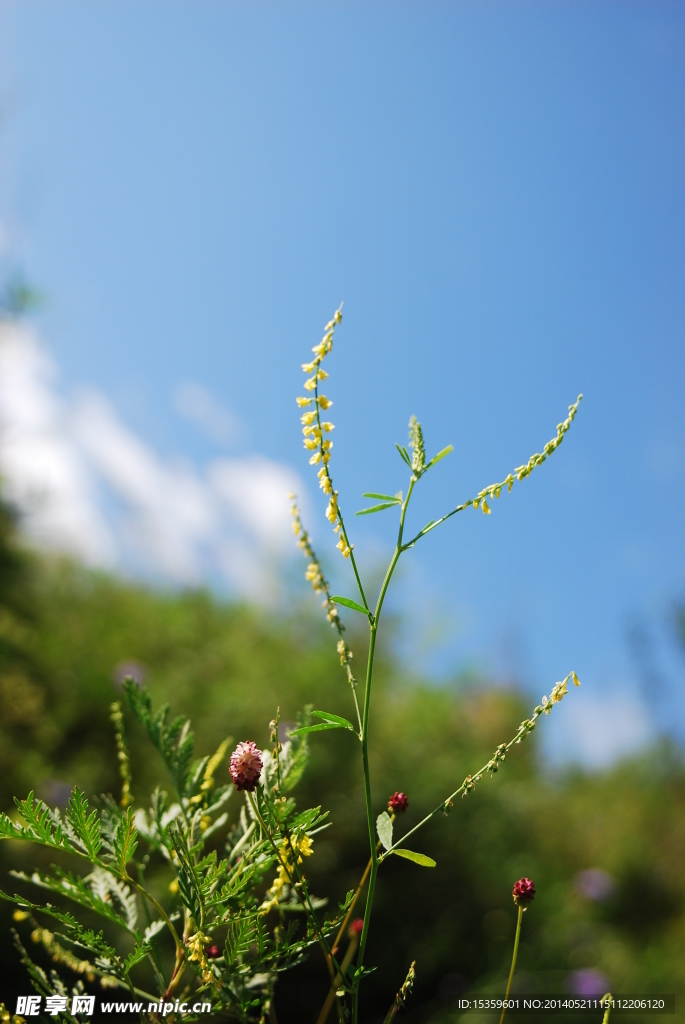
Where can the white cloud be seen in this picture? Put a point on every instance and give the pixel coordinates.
(196, 404)
(88, 485)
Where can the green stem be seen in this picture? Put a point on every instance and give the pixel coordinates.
(513, 963)
(304, 899)
(373, 627)
(165, 917)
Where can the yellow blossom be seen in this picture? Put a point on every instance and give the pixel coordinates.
(307, 418)
(344, 547)
(327, 427)
(311, 443)
(310, 384)
(302, 402)
(308, 367)
(324, 402)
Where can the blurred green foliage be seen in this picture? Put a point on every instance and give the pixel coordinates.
(67, 635)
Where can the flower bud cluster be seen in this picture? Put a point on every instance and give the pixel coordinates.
(246, 766)
(494, 490)
(417, 444)
(315, 429)
(524, 892)
(298, 846)
(398, 803)
(196, 951)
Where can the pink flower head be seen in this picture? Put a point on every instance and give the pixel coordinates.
(524, 892)
(213, 952)
(356, 927)
(398, 803)
(246, 765)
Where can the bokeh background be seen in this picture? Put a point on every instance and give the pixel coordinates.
(495, 190)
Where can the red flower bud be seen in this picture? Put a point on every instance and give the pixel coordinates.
(246, 766)
(213, 952)
(524, 892)
(398, 803)
(356, 927)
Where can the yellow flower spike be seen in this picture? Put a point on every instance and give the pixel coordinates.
(324, 402)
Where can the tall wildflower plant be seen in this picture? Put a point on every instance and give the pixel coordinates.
(235, 908)
(317, 430)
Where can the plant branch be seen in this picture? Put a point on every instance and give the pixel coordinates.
(557, 694)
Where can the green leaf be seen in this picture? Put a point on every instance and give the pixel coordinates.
(188, 885)
(346, 902)
(440, 455)
(377, 508)
(94, 942)
(140, 951)
(404, 453)
(328, 717)
(318, 728)
(418, 858)
(125, 841)
(86, 826)
(174, 740)
(392, 498)
(384, 829)
(100, 892)
(349, 603)
(43, 825)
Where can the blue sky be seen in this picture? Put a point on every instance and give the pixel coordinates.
(495, 190)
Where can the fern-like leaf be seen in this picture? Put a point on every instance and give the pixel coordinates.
(188, 884)
(42, 825)
(86, 826)
(173, 740)
(125, 841)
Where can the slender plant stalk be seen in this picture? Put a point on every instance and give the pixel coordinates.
(304, 899)
(607, 1000)
(373, 627)
(347, 960)
(513, 963)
